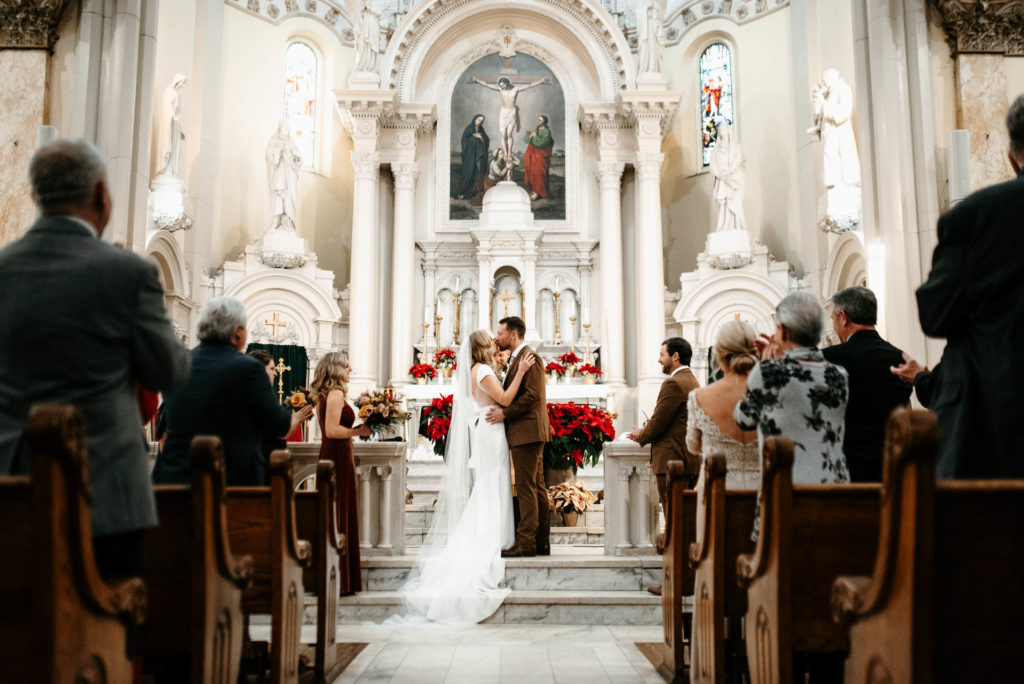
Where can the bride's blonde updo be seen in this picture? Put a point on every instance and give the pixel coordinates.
(481, 347)
(735, 349)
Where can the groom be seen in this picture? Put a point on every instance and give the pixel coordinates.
(527, 429)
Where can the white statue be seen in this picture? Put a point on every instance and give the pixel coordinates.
(283, 162)
(833, 106)
(367, 36)
(649, 38)
(171, 133)
(727, 167)
(508, 115)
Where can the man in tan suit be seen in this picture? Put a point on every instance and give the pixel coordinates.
(666, 429)
(527, 430)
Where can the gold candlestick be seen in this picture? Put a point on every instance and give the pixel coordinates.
(572, 334)
(281, 368)
(455, 323)
(558, 318)
(586, 333)
(437, 332)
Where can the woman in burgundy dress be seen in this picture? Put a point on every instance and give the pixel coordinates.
(336, 415)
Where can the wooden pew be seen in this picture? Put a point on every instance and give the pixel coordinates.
(195, 582)
(810, 534)
(944, 601)
(676, 574)
(261, 523)
(316, 515)
(59, 621)
(725, 522)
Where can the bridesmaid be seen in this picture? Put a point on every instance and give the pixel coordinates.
(336, 415)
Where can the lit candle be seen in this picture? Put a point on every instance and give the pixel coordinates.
(558, 283)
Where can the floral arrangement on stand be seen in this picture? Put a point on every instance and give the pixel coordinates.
(578, 432)
(381, 410)
(422, 372)
(570, 499)
(445, 360)
(590, 373)
(298, 399)
(554, 371)
(570, 361)
(435, 422)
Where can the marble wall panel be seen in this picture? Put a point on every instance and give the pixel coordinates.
(982, 104)
(22, 107)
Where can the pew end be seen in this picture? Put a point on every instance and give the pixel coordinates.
(677, 575)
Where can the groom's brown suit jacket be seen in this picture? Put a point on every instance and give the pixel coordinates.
(526, 418)
(666, 430)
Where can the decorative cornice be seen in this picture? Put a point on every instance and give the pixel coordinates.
(599, 116)
(983, 26)
(689, 13)
(330, 13)
(418, 117)
(362, 111)
(649, 113)
(30, 23)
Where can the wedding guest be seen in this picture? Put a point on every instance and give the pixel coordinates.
(336, 416)
(273, 442)
(710, 425)
(227, 394)
(794, 392)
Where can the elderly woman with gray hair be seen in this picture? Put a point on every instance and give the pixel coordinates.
(794, 392)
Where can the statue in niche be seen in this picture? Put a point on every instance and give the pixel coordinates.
(283, 161)
(367, 36)
(649, 38)
(171, 133)
(727, 167)
(508, 116)
(833, 107)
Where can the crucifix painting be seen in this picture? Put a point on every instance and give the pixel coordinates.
(508, 123)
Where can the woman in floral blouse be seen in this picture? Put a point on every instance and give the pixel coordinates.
(795, 393)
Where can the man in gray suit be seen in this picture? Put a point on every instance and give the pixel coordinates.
(83, 322)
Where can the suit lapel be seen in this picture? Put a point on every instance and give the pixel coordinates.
(512, 368)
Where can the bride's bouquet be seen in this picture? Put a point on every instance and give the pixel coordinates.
(381, 410)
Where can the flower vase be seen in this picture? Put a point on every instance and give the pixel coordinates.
(421, 380)
(552, 377)
(447, 371)
(589, 379)
(572, 518)
(570, 371)
(556, 476)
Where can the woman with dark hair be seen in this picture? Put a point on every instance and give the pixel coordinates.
(474, 158)
(537, 159)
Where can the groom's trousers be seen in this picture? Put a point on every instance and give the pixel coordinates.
(534, 511)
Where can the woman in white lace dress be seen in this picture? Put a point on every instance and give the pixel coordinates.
(710, 425)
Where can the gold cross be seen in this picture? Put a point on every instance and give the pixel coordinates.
(506, 298)
(280, 368)
(276, 323)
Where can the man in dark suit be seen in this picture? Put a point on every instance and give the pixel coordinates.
(527, 429)
(874, 390)
(665, 431)
(974, 297)
(226, 395)
(83, 324)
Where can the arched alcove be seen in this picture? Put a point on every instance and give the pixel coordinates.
(847, 264)
(309, 312)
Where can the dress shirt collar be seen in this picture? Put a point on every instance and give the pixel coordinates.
(516, 352)
(673, 373)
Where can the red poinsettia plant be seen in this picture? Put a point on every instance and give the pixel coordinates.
(569, 359)
(435, 422)
(444, 358)
(556, 368)
(578, 432)
(422, 370)
(589, 369)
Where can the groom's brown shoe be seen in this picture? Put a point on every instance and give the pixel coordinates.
(519, 552)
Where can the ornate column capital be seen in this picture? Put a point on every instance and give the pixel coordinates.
(366, 164)
(405, 174)
(983, 26)
(30, 23)
(609, 175)
(648, 165)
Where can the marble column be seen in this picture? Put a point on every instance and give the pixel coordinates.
(363, 283)
(486, 298)
(650, 286)
(613, 349)
(530, 299)
(404, 265)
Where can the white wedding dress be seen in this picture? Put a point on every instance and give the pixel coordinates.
(458, 577)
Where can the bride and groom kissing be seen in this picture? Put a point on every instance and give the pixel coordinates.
(460, 568)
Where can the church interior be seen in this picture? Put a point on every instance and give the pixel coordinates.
(384, 177)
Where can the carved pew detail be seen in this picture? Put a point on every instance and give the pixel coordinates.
(261, 522)
(955, 544)
(677, 576)
(316, 514)
(59, 621)
(725, 521)
(196, 613)
(809, 535)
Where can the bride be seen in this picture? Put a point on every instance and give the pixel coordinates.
(460, 567)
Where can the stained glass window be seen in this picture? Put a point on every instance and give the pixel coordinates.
(300, 70)
(716, 97)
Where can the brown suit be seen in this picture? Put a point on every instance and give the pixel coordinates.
(666, 429)
(527, 429)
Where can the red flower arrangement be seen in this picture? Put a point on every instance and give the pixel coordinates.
(423, 370)
(444, 358)
(555, 368)
(578, 432)
(587, 368)
(436, 421)
(569, 359)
